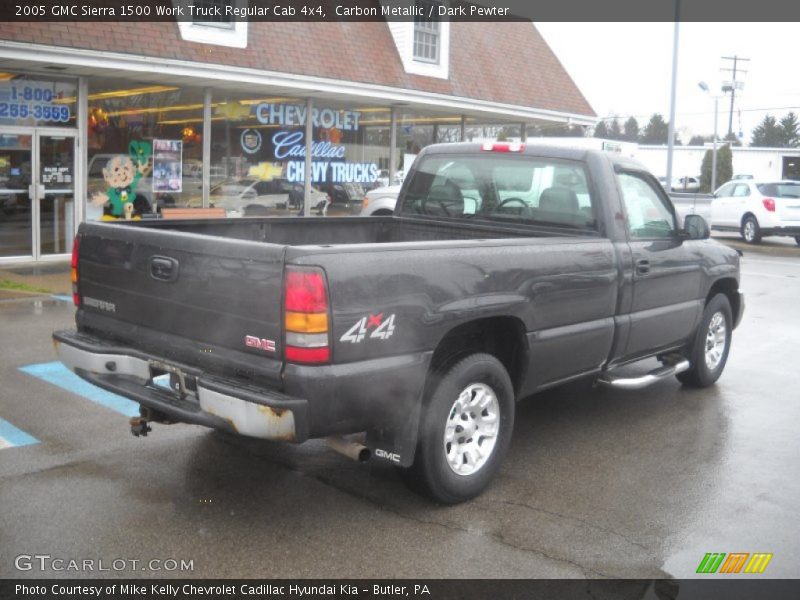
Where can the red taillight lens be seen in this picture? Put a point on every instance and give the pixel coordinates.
(308, 355)
(503, 147)
(306, 316)
(305, 291)
(76, 244)
(769, 204)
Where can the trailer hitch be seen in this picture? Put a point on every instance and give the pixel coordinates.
(139, 427)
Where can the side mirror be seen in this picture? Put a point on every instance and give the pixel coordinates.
(696, 228)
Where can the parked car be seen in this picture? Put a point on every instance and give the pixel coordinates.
(741, 176)
(506, 269)
(686, 184)
(296, 191)
(345, 197)
(248, 197)
(383, 179)
(692, 205)
(757, 208)
(380, 201)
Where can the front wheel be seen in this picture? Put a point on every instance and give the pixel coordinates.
(465, 430)
(709, 351)
(751, 231)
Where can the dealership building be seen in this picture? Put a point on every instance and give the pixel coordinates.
(177, 111)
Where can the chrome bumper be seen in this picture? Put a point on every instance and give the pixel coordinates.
(209, 400)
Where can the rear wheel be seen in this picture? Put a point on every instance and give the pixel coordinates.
(465, 430)
(751, 231)
(709, 351)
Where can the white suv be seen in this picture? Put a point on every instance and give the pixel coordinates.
(757, 208)
(380, 201)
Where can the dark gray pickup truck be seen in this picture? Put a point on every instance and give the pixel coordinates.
(506, 269)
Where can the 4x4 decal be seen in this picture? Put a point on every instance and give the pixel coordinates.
(381, 329)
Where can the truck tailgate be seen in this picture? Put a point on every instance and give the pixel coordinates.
(207, 296)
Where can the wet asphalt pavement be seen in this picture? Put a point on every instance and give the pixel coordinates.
(597, 483)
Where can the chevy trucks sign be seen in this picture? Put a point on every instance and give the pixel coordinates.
(329, 157)
(333, 166)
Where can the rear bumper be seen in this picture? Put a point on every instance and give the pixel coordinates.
(315, 401)
(214, 402)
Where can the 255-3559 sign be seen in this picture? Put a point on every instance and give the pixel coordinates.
(22, 102)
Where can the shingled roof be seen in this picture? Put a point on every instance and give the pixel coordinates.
(507, 63)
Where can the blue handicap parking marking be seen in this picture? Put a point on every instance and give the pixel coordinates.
(11, 436)
(57, 374)
(62, 297)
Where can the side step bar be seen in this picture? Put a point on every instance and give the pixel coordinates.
(637, 383)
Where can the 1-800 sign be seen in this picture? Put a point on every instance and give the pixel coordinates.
(29, 101)
(40, 112)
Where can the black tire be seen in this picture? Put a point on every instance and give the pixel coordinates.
(797, 240)
(700, 375)
(431, 473)
(751, 236)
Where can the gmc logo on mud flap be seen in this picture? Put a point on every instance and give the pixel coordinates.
(252, 341)
(390, 456)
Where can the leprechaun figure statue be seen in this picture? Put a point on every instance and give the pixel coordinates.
(122, 174)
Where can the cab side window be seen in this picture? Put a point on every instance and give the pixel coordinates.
(648, 215)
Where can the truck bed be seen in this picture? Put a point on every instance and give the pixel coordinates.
(326, 231)
(195, 290)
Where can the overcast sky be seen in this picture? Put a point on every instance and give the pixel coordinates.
(626, 69)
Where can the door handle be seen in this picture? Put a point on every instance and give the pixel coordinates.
(163, 268)
(643, 266)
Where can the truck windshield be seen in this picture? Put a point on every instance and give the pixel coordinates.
(506, 188)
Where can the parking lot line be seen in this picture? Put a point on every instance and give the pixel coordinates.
(11, 436)
(57, 374)
(772, 275)
(784, 263)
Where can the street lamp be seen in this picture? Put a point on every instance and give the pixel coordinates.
(704, 86)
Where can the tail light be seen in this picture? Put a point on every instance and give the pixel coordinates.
(365, 202)
(503, 147)
(769, 204)
(306, 322)
(73, 274)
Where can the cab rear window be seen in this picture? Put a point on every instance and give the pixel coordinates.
(503, 188)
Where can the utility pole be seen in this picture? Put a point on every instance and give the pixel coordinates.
(671, 127)
(732, 88)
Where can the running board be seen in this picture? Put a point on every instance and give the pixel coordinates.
(637, 383)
